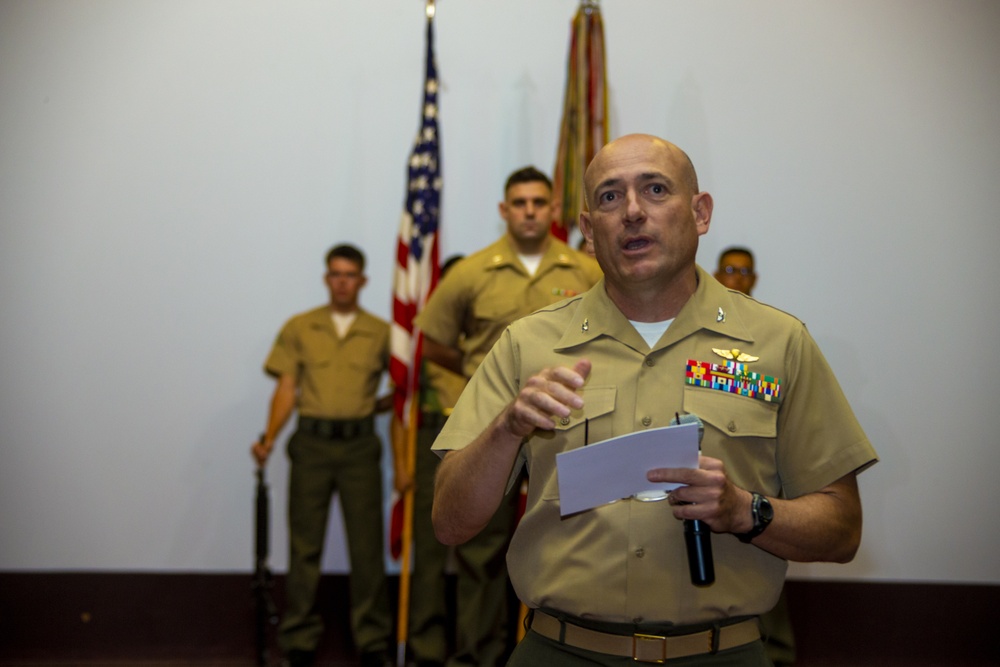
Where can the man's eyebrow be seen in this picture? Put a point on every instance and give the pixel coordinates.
(655, 176)
(607, 183)
(643, 177)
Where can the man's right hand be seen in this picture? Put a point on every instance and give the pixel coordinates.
(546, 396)
(260, 451)
(470, 481)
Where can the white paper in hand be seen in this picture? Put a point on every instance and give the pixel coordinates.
(616, 468)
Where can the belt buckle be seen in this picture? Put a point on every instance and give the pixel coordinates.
(649, 648)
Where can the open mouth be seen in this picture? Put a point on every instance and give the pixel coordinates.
(635, 244)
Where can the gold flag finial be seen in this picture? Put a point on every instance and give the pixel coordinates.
(430, 9)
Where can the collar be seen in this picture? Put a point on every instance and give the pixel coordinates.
(710, 308)
(503, 254)
(321, 318)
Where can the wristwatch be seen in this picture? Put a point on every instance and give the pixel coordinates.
(762, 512)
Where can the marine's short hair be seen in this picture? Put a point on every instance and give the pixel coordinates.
(526, 175)
(348, 252)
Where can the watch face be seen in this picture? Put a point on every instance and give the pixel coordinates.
(765, 511)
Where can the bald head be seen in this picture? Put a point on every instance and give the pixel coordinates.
(630, 145)
(644, 216)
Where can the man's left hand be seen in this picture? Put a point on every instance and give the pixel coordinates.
(708, 495)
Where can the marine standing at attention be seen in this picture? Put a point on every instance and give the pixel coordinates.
(526, 269)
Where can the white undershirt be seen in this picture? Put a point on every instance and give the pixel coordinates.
(530, 262)
(342, 322)
(651, 331)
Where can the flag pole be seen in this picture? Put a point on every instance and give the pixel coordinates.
(417, 269)
(403, 613)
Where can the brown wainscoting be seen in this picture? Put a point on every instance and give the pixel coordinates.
(888, 624)
(202, 619)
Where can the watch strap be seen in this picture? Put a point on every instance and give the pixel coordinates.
(759, 525)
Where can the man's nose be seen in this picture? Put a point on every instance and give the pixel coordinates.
(633, 208)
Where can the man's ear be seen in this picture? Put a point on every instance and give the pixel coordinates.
(702, 204)
(585, 228)
(557, 208)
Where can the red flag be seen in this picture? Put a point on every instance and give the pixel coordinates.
(417, 248)
(584, 128)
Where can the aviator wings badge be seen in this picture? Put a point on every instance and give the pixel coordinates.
(735, 355)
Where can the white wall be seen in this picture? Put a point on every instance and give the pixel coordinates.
(172, 173)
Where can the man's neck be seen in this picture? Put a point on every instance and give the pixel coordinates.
(530, 247)
(654, 302)
(343, 310)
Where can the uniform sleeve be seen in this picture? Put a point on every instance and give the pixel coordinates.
(492, 387)
(819, 438)
(285, 355)
(442, 316)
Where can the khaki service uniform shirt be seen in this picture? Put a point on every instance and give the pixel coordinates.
(626, 562)
(337, 377)
(490, 288)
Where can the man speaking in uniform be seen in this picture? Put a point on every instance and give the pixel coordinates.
(781, 448)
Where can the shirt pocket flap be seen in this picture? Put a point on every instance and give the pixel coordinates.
(597, 401)
(733, 415)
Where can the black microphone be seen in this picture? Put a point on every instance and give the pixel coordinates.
(697, 534)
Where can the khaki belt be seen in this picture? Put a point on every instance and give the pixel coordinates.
(646, 648)
(337, 428)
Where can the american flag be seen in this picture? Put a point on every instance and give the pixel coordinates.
(417, 248)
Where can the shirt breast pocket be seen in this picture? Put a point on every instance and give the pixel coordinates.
(591, 423)
(741, 431)
(733, 415)
(315, 348)
(597, 402)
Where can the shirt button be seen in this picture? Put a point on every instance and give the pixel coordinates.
(732, 427)
(564, 421)
(650, 362)
(640, 552)
(646, 421)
